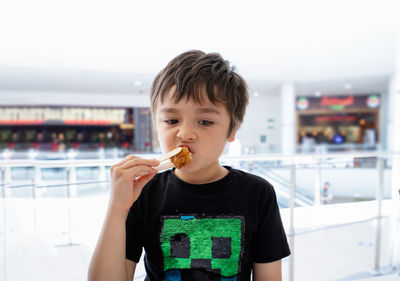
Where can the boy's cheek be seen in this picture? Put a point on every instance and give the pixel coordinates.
(164, 141)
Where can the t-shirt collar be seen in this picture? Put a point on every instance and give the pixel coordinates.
(207, 188)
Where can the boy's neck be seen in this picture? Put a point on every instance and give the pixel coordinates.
(211, 174)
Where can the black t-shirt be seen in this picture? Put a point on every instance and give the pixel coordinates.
(213, 231)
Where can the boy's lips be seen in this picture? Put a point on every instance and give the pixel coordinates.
(188, 147)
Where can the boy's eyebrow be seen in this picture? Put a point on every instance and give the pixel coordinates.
(207, 110)
(200, 110)
(168, 110)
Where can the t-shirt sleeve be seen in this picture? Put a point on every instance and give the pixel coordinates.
(270, 240)
(134, 233)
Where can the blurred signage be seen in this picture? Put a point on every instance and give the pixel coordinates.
(338, 102)
(302, 103)
(373, 101)
(64, 115)
(335, 118)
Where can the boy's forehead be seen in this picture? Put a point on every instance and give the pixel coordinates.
(171, 100)
(173, 107)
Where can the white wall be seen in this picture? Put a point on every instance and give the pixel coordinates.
(262, 118)
(16, 98)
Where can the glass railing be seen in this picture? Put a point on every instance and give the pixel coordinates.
(52, 212)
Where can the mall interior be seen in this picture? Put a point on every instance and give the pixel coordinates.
(322, 123)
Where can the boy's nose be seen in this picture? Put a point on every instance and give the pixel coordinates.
(186, 133)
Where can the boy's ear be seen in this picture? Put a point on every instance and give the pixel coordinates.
(231, 138)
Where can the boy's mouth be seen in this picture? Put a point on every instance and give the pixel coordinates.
(188, 147)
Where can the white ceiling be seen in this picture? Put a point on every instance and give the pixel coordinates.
(106, 45)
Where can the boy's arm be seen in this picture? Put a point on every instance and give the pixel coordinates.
(109, 258)
(108, 261)
(130, 267)
(271, 271)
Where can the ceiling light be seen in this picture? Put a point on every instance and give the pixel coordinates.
(347, 86)
(137, 83)
(317, 93)
(256, 94)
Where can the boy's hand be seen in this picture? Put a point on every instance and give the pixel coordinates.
(128, 178)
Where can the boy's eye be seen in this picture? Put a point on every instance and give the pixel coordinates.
(206, 122)
(171, 121)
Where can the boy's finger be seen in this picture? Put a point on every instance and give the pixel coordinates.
(126, 159)
(137, 171)
(130, 158)
(130, 174)
(142, 173)
(139, 161)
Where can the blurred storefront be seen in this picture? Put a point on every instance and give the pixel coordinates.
(85, 128)
(338, 119)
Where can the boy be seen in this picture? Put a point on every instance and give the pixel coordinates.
(203, 221)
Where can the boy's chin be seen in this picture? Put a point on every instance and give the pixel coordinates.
(188, 168)
(184, 168)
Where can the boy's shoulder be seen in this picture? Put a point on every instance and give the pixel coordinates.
(250, 179)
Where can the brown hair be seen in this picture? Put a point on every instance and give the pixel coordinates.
(195, 71)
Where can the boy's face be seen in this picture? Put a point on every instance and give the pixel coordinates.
(202, 128)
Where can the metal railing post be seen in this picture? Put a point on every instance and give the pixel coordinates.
(4, 230)
(69, 174)
(379, 196)
(317, 187)
(6, 177)
(37, 175)
(37, 180)
(291, 225)
(3, 199)
(70, 179)
(102, 173)
(34, 204)
(395, 243)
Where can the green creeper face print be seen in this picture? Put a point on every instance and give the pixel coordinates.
(212, 244)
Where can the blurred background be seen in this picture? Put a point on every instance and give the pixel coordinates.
(322, 125)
